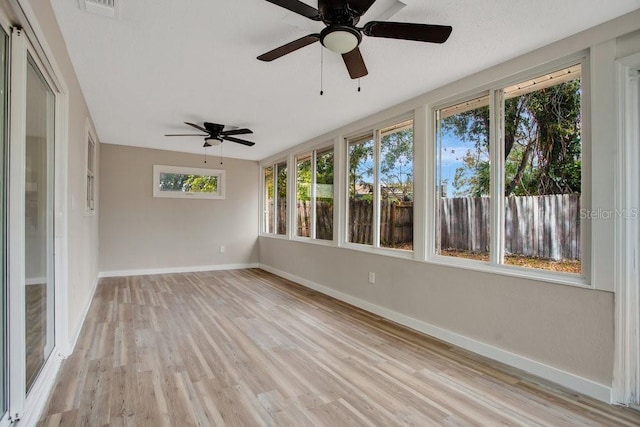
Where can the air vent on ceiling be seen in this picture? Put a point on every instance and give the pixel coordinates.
(101, 7)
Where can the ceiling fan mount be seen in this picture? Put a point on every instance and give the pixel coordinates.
(214, 134)
(343, 37)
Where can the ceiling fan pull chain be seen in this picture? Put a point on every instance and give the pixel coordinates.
(220, 153)
(358, 84)
(205, 154)
(321, 71)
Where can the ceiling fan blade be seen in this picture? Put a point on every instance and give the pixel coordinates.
(355, 64)
(183, 134)
(408, 31)
(360, 6)
(196, 126)
(239, 141)
(299, 8)
(289, 47)
(242, 131)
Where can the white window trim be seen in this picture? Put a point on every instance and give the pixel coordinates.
(159, 169)
(497, 213)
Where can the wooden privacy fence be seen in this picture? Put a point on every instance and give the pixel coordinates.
(396, 221)
(324, 219)
(535, 226)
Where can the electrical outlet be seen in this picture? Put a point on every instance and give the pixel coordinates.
(372, 277)
(221, 249)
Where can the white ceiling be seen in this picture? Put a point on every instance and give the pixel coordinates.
(163, 62)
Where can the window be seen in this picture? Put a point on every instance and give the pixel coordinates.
(538, 175)
(463, 184)
(314, 194)
(183, 182)
(303, 195)
(91, 160)
(275, 198)
(542, 172)
(323, 216)
(281, 196)
(380, 187)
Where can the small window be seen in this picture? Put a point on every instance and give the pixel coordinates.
(184, 183)
(91, 161)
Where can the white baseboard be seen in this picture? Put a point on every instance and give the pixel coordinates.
(566, 379)
(191, 269)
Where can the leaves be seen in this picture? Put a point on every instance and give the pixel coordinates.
(542, 144)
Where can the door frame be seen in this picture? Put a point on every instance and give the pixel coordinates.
(626, 373)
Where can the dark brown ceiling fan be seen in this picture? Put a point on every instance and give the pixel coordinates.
(343, 37)
(216, 132)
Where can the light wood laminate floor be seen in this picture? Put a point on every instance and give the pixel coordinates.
(246, 348)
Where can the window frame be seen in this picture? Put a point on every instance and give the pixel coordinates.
(496, 148)
(376, 132)
(159, 169)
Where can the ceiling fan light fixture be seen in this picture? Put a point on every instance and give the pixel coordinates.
(340, 39)
(212, 142)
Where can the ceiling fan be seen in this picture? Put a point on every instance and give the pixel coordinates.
(216, 132)
(343, 37)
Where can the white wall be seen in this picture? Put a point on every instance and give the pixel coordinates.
(564, 333)
(140, 233)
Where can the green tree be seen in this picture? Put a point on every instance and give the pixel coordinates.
(542, 143)
(396, 165)
(360, 165)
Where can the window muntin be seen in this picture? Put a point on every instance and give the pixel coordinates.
(463, 190)
(543, 172)
(182, 182)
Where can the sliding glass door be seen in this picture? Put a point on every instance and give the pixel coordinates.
(29, 287)
(38, 219)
